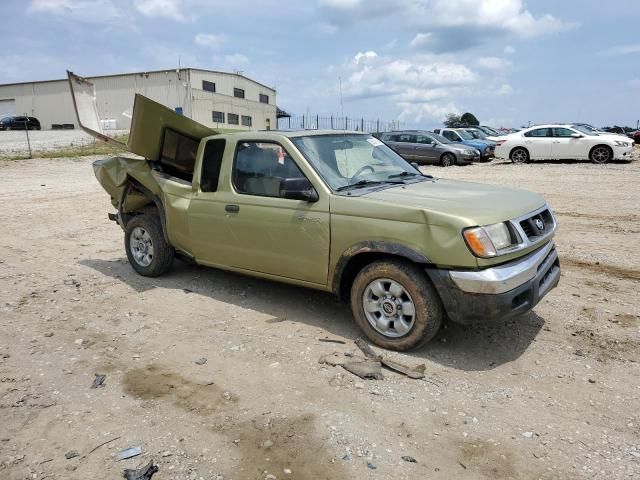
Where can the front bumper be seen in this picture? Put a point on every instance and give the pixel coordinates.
(488, 154)
(499, 292)
(622, 153)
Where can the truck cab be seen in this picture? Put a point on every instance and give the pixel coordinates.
(331, 210)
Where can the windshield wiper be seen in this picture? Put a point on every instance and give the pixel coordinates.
(365, 183)
(405, 174)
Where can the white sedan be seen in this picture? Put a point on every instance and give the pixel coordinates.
(560, 142)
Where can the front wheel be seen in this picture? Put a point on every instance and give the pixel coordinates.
(147, 250)
(600, 154)
(395, 305)
(447, 160)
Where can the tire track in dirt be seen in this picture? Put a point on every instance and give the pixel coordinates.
(603, 268)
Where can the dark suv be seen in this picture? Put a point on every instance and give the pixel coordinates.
(19, 123)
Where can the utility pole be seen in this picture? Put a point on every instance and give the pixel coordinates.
(26, 130)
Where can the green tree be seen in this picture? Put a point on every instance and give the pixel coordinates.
(469, 119)
(452, 120)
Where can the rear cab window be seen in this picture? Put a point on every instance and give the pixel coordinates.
(211, 165)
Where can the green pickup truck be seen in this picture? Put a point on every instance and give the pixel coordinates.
(330, 210)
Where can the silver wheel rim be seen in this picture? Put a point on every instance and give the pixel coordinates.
(601, 155)
(389, 308)
(141, 246)
(519, 156)
(446, 161)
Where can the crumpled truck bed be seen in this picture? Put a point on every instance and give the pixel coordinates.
(112, 174)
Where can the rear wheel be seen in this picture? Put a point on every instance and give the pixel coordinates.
(601, 154)
(147, 250)
(447, 160)
(519, 155)
(395, 305)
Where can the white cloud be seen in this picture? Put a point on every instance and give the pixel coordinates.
(505, 89)
(493, 63)
(98, 11)
(624, 49)
(509, 50)
(464, 18)
(210, 40)
(236, 59)
(365, 57)
(421, 40)
(414, 113)
(172, 9)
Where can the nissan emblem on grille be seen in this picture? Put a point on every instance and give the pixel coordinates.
(540, 224)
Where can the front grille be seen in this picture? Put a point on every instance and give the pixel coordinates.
(538, 225)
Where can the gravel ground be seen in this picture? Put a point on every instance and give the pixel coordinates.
(553, 394)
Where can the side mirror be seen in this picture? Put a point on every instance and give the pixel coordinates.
(298, 189)
(576, 135)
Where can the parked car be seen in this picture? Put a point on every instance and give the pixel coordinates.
(635, 136)
(335, 211)
(460, 135)
(615, 129)
(426, 147)
(19, 123)
(570, 142)
(489, 131)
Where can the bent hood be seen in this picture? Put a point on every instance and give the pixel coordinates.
(471, 203)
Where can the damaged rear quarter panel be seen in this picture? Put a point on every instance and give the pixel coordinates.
(112, 173)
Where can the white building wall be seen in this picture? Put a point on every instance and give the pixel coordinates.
(51, 101)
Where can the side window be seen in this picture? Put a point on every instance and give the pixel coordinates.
(246, 120)
(562, 132)
(404, 138)
(233, 119)
(238, 92)
(259, 167)
(450, 135)
(424, 140)
(178, 155)
(539, 132)
(208, 86)
(211, 163)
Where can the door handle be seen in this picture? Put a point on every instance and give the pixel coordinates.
(232, 208)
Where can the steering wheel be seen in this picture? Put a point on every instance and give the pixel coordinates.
(360, 171)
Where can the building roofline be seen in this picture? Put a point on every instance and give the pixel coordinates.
(139, 73)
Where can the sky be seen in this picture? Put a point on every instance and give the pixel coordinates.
(509, 62)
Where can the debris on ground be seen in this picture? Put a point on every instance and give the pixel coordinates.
(332, 340)
(201, 361)
(71, 454)
(144, 473)
(101, 445)
(362, 367)
(409, 459)
(98, 381)
(128, 453)
(416, 372)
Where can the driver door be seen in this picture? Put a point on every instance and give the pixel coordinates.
(425, 149)
(264, 232)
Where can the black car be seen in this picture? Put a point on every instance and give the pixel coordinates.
(19, 123)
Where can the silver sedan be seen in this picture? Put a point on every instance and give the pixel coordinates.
(427, 147)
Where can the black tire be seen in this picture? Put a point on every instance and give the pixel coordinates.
(448, 159)
(161, 258)
(428, 310)
(519, 155)
(601, 154)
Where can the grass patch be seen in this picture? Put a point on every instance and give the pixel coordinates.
(94, 147)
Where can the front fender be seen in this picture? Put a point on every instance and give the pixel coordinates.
(380, 247)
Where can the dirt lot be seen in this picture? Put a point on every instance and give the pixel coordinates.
(551, 395)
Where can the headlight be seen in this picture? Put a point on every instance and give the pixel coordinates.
(487, 241)
(621, 144)
(470, 152)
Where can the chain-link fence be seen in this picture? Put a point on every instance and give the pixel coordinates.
(317, 122)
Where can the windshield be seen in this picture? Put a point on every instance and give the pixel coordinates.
(584, 129)
(478, 134)
(349, 159)
(440, 138)
(465, 135)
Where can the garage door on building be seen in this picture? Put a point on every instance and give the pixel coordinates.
(7, 107)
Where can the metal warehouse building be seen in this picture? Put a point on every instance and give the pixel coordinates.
(215, 99)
